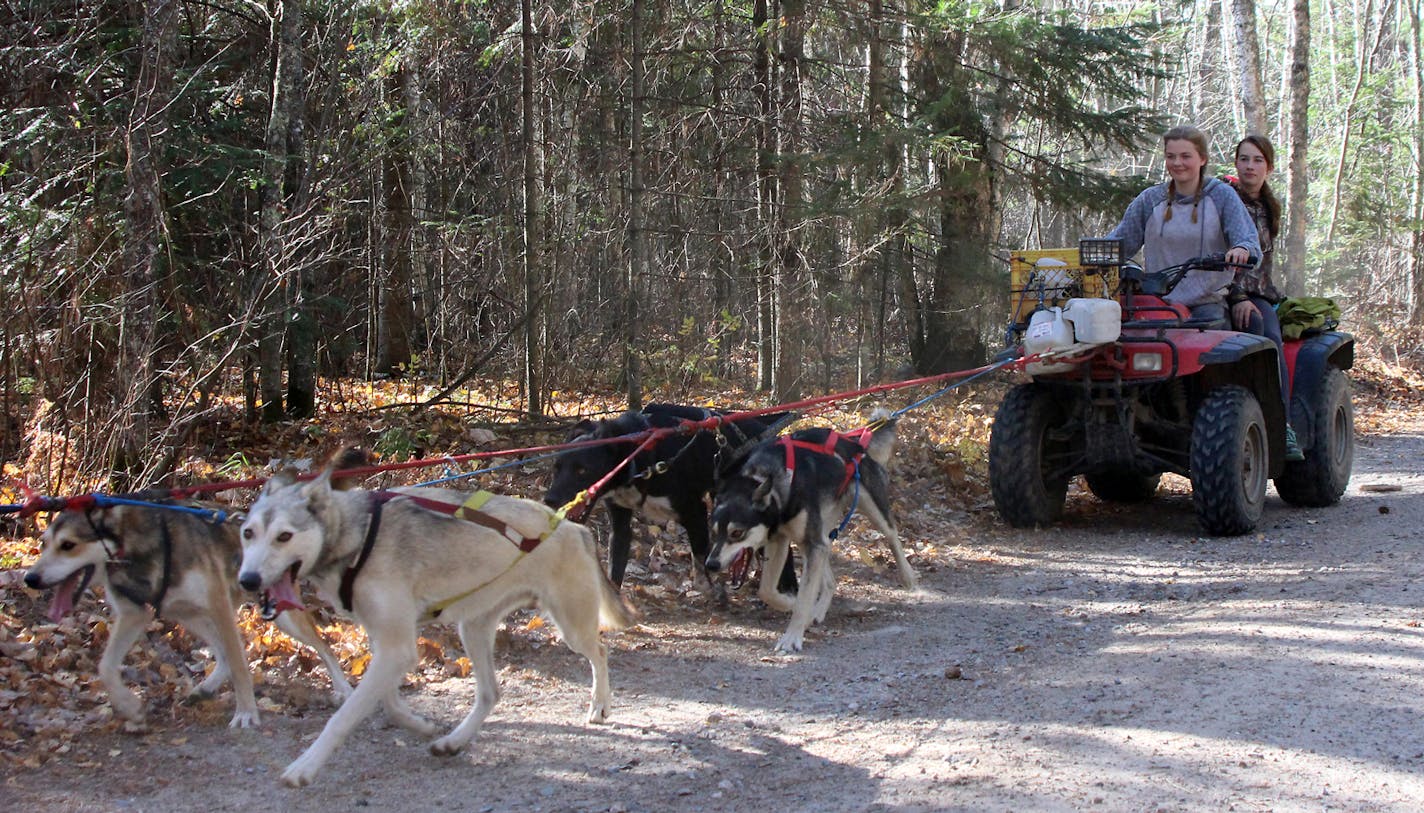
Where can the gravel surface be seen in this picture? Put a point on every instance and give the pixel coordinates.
(1119, 661)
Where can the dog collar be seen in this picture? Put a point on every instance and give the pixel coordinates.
(348, 576)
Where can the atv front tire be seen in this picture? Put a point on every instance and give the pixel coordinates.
(1229, 458)
(1321, 478)
(1022, 454)
(1126, 487)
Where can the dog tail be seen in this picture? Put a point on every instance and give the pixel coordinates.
(613, 613)
(882, 440)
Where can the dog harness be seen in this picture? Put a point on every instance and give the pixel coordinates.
(348, 576)
(469, 511)
(860, 437)
(106, 534)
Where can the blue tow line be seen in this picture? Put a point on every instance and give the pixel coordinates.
(855, 496)
(995, 367)
(216, 516)
(854, 500)
(478, 472)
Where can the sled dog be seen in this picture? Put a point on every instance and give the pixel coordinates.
(798, 489)
(176, 565)
(393, 562)
(669, 481)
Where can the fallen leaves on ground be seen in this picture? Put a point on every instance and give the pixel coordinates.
(50, 695)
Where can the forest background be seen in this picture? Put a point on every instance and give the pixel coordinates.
(234, 212)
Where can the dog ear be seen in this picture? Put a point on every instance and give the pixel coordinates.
(350, 457)
(771, 485)
(582, 429)
(318, 490)
(279, 480)
(762, 493)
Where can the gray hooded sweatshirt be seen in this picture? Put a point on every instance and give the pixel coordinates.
(1222, 223)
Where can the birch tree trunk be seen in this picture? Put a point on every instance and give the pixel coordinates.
(1347, 125)
(1207, 68)
(1416, 258)
(145, 236)
(1246, 56)
(1298, 137)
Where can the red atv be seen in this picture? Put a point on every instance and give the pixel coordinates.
(1135, 387)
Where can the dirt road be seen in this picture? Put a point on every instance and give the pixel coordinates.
(1117, 662)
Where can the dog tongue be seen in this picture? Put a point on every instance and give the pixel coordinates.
(741, 563)
(63, 601)
(283, 594)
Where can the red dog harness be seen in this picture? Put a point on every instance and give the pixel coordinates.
(861, 438)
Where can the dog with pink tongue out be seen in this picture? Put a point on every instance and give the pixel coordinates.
(156, 562)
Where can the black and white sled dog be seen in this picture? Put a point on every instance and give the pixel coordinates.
(394, 563)
(798, 489)
(670, 481)
(177, 566)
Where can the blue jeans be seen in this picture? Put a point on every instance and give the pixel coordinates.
(1265, 323)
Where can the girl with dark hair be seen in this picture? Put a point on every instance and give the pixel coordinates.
(1252, 295)
(1255, 159)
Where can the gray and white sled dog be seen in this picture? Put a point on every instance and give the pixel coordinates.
(393, 565)
(797, 489)
(177, 566)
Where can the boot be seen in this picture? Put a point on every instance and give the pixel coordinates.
(1293, 452)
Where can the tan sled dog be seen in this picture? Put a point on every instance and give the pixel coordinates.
(393, 564)
(177, 566)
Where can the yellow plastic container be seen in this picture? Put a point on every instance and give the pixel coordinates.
(1023, 290)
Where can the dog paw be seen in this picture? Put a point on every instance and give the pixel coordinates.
(198, 695)
(413, 723)
(789, 643)
(127, 706)
(446, 747)
(780, 602)
(245, 719)
(597, 715)
(135, 727)
(298, 775)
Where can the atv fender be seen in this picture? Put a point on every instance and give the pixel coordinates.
(1236, 347)
(1248, 360)
(1307, 361)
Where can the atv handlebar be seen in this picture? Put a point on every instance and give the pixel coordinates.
(1161, 282)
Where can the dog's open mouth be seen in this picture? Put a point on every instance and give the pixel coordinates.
(282, 595)
(68, 591)
(740, 568)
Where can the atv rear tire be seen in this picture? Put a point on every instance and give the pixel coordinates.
(1321, 478)
(1021, 452)
(1229, 460)
(1123, 486)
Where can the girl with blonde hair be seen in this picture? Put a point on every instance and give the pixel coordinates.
(1192, 214)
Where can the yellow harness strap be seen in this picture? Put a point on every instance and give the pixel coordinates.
(469, 511)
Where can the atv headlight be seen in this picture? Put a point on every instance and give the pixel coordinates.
(1147, 362)
(1100, 252)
